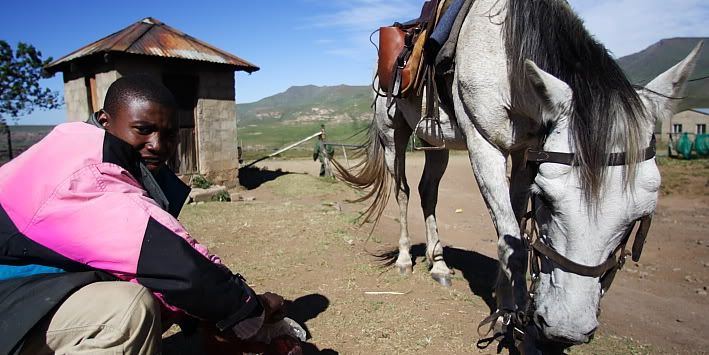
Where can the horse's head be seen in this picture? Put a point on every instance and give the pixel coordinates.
(566, 303)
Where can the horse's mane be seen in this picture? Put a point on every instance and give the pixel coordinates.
(607, 111)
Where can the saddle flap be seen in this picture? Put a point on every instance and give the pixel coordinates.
(401, 51)
(391, 43)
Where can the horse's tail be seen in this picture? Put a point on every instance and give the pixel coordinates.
(370, 173)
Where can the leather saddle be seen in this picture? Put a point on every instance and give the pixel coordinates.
(401, 64)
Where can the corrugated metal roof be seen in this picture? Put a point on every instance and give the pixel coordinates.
(152, 37)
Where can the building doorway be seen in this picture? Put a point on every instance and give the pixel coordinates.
(184, 88)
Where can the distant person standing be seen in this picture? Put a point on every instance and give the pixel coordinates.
(323, 152)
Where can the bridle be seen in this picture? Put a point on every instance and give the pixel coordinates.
(605, 271)
(537, 249)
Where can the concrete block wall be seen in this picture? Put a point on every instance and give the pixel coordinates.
(76, 100)
(103, 81)
(216, 127)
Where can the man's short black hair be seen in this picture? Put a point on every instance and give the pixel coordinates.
(136, 87)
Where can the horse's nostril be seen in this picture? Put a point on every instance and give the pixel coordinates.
(590, 333)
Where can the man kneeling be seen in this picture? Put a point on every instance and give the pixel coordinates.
(94, 259)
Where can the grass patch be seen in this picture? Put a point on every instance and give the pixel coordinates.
(261, 140)
(300, 186)
(678, 175)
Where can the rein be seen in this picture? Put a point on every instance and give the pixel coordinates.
(537, 249)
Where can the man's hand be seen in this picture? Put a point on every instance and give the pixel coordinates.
(273, 307)
(218, 343)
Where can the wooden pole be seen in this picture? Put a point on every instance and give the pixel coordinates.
(9, 138)
(283, 149)
(344, 151)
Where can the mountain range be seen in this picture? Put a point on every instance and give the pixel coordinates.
(643, 66)
(312, 104)
(309, 103)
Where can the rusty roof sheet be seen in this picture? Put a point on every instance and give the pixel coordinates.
(152, 37)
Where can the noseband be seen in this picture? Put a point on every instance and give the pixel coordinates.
(538, 250)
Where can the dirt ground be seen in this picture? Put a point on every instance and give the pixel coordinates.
(298, 238)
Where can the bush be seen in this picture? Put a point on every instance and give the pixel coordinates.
(201, 182)
(221, 196)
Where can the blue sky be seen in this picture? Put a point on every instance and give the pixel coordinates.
(299, 42)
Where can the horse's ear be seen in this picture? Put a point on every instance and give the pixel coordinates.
(553, 93)
(671, 83)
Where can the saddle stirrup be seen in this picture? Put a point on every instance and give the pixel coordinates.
(431, 112)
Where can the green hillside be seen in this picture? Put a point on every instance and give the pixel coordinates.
(287, 117)
(309, 103)
(645, 65)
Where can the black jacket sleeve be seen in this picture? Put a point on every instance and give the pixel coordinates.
(186, 279)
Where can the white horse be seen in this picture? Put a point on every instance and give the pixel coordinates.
(529, 76)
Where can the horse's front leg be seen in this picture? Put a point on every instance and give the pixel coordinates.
(489, 167)
(435, 166)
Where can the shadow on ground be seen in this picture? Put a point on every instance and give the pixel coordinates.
(251, 177)
(478, 270)
(300, 310)
(303, 309)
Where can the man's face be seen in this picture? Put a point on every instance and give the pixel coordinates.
(149, 127)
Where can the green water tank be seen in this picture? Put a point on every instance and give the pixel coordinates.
(701, 145)
(684, 146)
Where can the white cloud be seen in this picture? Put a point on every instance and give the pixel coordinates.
(623, 26)
(353, 21)
(367, 15)
(629, 26)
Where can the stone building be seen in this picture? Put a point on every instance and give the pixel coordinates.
(199, 75)
(693, 122)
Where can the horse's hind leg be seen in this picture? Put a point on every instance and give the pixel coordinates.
(435, 166)
(395, 159)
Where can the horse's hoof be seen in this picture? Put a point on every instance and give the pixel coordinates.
(444, 280)
(405, 269)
